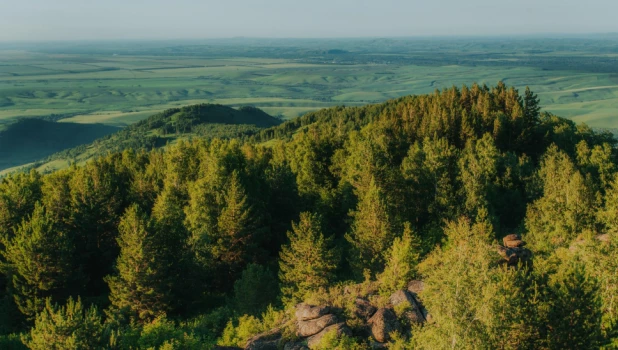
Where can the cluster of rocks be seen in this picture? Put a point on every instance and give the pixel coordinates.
(313, 322)
(513, 251)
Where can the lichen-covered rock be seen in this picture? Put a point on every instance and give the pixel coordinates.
(306, 312)
(340, 328)
(415, 287)
(363, 309)
(311, 327)
(217, 347)
(382, 324)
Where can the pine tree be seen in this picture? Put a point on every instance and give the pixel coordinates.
(531, 108)
(184, 282)
(221, 228)
(574, 319)
(566, 207)
(66, 328)
(308, 262)
(474, 303)
(234, 232)
(97, 203)
(40, 259)
(402, 258)
(478, 170)
(139, 287)
(372, 231)
(18, 195)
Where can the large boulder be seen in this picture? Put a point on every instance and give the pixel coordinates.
(511, 237)
(512, 256)
(514, 244)
(311, 327)
(416, 287)
(306, 312)
(340, 328)
(363, 309)
(401, 296)
(414, 313)
(382, 324)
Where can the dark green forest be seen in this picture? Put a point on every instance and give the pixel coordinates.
(507, 216)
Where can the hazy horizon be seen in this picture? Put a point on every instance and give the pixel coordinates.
(72, 20)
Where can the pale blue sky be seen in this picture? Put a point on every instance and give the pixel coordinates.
(35, 20)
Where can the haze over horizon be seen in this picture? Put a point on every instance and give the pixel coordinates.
(39, 20)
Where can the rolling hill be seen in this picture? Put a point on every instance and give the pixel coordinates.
(85, 141)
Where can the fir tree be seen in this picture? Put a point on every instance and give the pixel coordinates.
(574, 318)
(139, 287)
(40, 259)
(233, 224)
(531, 108)
(307, 263)
(401, 261)
(372, 231)
(566, 206)
(66, 328)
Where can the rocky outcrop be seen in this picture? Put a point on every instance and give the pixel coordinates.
(311, 327)
(513, 252)
(313, 322)
(305, 312)
(340, 328)
(363, 309)
(382, 324)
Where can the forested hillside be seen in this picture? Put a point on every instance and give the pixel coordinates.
(205, 121)
(507, 217)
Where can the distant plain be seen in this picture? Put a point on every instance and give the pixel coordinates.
(121, 83)
(89, 89)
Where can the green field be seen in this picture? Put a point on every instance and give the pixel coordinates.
(118, 85)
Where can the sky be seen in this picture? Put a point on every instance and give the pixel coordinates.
(40, 20)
